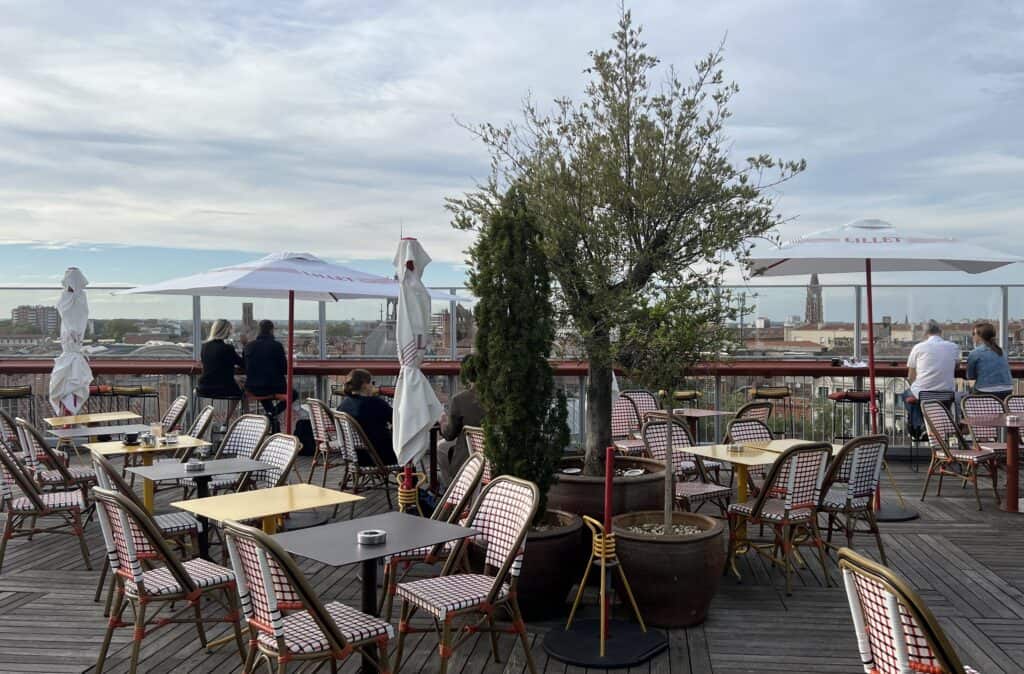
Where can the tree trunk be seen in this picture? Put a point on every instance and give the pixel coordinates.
(599, 415)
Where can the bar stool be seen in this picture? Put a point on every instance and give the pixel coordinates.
(13, 398)
(140, 395)
(684, 397)
(218, 431)
(843, 401)
(101, 398)
(782, 397)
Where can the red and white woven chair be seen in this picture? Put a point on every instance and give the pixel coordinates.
(951, 453)
(644, 400)
(244, 436)
(1015, 404)
(287, 621)
(452, 508)
(849, 486)
(201, 424)
(626, 419)
(365, 468)
(23, 512)
(461, 603)
(174, 414)
(754, 431)
(9, 432)
(756, 409)
(985, 437)
(692, 494)
(896, 633)
(329, 451)
(280, 451)
(788, 504)
(131, 538)
(61, 476)
(475, 440)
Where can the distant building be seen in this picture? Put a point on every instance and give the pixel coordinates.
(761, 322)
(814, 312)
(248, 322)
(45, 319)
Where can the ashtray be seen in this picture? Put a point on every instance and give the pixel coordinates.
(168, 441)
(572, 471)
(633, 472)
(735, 448)
(371, 537)
(194, 466)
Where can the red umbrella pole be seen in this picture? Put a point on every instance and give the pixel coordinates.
(291, 362)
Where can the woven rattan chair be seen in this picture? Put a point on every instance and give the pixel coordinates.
(951, 453)
(365, 469)
(756, 409)
(61, 476)
(1015, 404)
(280, 451)
(788, 503)
(896, 633)
(849, 486)
(750, 430)
(9, 432)
(131, 538)
(329, 451)
(475, 439)
(626, 419)
(243, 438)
(691, 494)
(451, 508)
(23, 512)
(502, 514)
(287, 621)
(174, 414)
(644, 400)
(985, 437)
(199, 429)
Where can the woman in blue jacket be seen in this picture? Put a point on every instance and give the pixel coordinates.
(987, 365)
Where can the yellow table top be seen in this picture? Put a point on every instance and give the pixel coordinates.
(97, 418)
(748, 457)
(116, 447)
(265, 502)
(780, 446)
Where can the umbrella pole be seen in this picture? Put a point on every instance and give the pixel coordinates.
(291, 363)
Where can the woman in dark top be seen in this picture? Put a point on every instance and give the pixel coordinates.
(373, 413)
(219, 362)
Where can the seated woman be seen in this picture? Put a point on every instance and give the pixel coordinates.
(219, 362)
(373, 413)
(987, 365)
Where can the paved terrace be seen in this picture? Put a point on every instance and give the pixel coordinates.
(966, 564)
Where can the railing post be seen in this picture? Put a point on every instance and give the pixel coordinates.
(1004, 319)
(453, 325)
(197, 346)
(858, 382)
(321, 380)
(718, 406)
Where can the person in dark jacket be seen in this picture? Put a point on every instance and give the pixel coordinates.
(266, 368)
(219, 362)
(373, 413)
(464, 410)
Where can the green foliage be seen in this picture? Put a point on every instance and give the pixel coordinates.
(525, 418)
(339, 329)
(640, 205)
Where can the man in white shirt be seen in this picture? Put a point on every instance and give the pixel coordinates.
(932, 363)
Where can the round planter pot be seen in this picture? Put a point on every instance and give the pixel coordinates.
(674, 578)
(549, 565)
(584, 494)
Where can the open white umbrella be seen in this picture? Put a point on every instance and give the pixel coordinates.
(71, 376)
(416, 405)
(288, 276)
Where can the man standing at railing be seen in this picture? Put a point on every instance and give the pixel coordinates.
(931, 371)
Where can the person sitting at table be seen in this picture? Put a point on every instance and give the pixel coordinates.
(266, 371)
(373, 413)
(931, 367)
(987, 365)
(219, 362)
(464, 410)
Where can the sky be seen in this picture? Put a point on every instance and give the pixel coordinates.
(145, 140)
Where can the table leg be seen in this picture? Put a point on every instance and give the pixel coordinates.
(692, 421)
(1011, 501)
(270, 524)
(148, 490)
(202, 491)
(741, 494)
(369, 607)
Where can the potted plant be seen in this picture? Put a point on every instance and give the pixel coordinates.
(524, 415)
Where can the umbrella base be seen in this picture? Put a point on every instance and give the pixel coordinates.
(626, 645)
(895, 513)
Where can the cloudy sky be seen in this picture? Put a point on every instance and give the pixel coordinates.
(132, 134)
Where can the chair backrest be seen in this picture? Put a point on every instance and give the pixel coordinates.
(9, 432)
(108, 477)
(625, 418)
(34, 445)
(325, 430)
(1015, 404)
(460, 491)
(756, 409)
(13, 473)
(475, 441)
(747, 430)
(502, 514)
(243, 437)
(279, 450)
(857, 467)
(644, 400)
(201, 424)
(941, 428)
(655, 436)
(131, 536)
(982, 405)
(270, 583)
(896, 632)
(172, 417)
(796, 477)
(354, 440)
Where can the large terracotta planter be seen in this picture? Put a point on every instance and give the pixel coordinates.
(549, 565)
(584, 494)
(674, 578)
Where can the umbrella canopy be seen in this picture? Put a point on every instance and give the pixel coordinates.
(416, 405)
(844, 250)
(71, 376)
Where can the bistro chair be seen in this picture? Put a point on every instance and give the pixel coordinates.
(788, 504)
(329, 450)
(365, 468)
(280, 451)
(199, 428)
(643, 400)
(689, 494)
(502, 514)
(896, 632)
(784, 396)
(755, 431)
(475, 439)
(287, 621)
(850, 485)
(625, 418)
(174, 414)
(1015, 404)
(14, 398)
(451, 509)
(23, 513)
(9, 432)
(951, 454)
(61, 476)
(243, 438)
(133, 538)
(761, 410)
(984, 437)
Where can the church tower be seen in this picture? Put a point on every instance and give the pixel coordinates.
(813, 310)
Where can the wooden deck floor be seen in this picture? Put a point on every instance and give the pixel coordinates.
(966, 564)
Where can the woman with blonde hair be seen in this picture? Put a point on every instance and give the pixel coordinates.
(219, 362)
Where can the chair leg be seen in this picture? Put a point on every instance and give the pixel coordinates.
(873, 523)
(787, 546)
(200, 630)
(927, 479)
(445, 648)
(384, 664)
(8, 530)
(76, 524)
(942, 474)
(974, 479)
(137, 636)
(312, 468)
(406, 614)
(494, 637)
(993, 469)
(250, 657)
(232, 602)
(103, 578)
(387, 598)
(820, 544)
(115, 617)
(327, 467)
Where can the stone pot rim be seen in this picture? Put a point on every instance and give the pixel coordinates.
(652, 464)
(712, 527)
(574, 524)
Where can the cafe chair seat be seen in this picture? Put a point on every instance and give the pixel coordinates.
(835, 497)
(450, 594)
(78, 474)
(53, 500)
(160, 582)
(699, 492)
(997, 448)
(302, 635)
(773, 510)
(176, 523)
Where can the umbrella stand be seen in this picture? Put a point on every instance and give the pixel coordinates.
(888, 512)
(291, 364)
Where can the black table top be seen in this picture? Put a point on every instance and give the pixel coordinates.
(174, 470)
(335, 544)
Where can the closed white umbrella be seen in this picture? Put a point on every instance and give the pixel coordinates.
(416, 405)
(71, 376)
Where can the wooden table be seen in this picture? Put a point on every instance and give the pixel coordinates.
(87, 419)
(1011, 503)
(694, 414)
(90, 431)
(779, 446)
(118, 448)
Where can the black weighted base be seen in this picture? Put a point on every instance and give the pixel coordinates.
(894, 513)
(627, 644)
